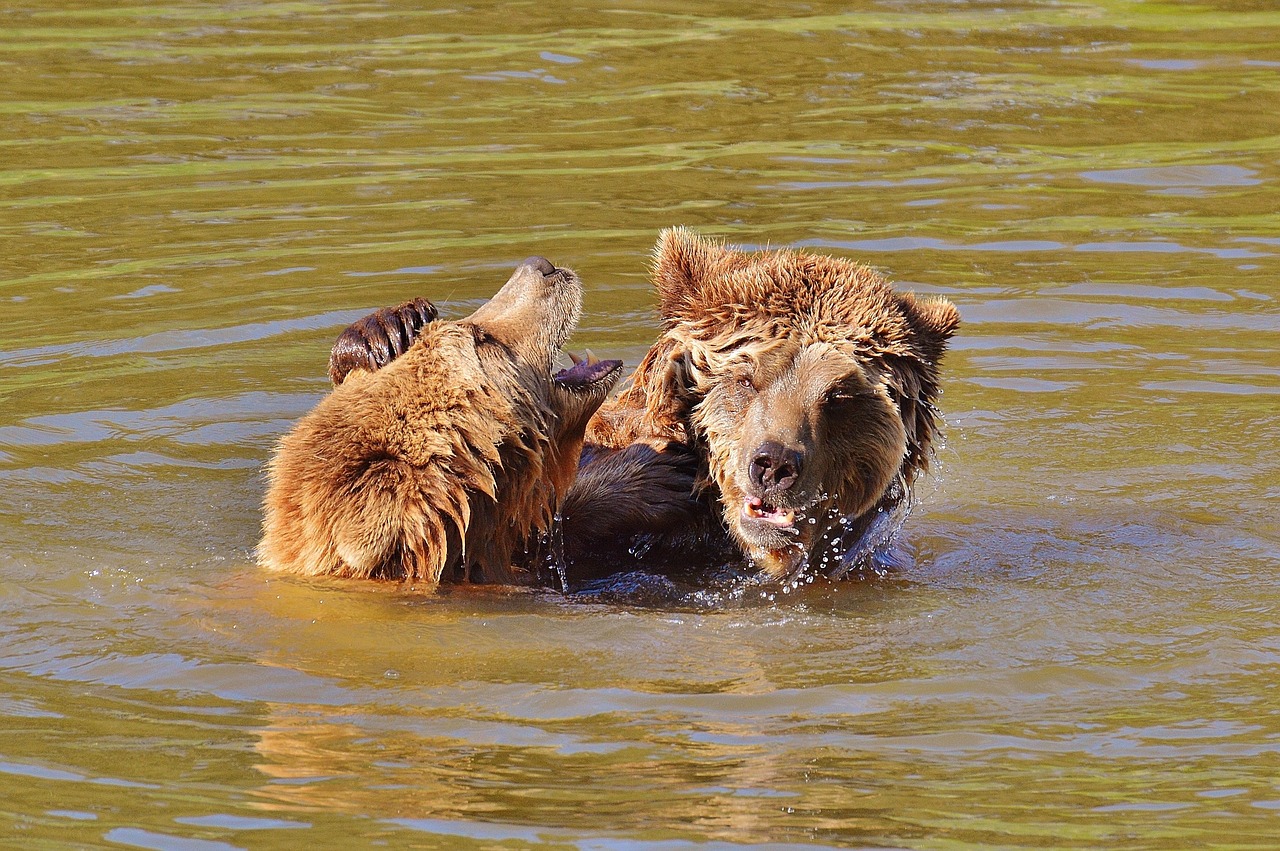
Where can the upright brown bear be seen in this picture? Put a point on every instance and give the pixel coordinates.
(802, 385)
(784, 414)
(444, 463)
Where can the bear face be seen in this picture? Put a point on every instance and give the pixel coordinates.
(794, 433)
(805, 383)
(449, 459)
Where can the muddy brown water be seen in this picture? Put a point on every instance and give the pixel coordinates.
(195, 198)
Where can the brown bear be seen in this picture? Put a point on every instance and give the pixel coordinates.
(803, 387)
(446, 462)
(783, 414)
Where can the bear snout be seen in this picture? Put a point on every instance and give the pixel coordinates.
(544, 266)
(774, 468)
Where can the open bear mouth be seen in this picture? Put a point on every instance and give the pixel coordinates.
(586, 373)
(754, 508)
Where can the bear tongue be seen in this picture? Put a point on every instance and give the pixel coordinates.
(584, 372)
(754, 508)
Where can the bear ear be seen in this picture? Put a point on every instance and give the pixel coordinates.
(935, 321)
(682, 261)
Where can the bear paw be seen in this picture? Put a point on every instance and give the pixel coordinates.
(374, 341)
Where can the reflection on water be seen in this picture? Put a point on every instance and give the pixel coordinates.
(196, 199)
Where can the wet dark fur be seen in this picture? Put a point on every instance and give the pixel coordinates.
(784, 385)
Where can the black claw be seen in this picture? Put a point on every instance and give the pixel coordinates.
(378, 340)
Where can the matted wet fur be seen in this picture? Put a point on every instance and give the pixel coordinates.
(803, 385)
(442, 463)
(783, 414)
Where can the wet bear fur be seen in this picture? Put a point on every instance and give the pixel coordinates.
(783, 415)
(442, 459)
(786, 410)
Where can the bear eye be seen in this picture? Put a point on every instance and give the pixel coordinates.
(747, 384)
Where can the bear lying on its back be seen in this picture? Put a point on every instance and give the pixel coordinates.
(445, 463)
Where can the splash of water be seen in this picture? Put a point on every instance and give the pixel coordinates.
(640, 546)
(842, 545)
(553, 547)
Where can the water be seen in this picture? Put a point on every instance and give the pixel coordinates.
(195, 199)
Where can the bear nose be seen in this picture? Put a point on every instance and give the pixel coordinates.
(542, 264)
(775, 467)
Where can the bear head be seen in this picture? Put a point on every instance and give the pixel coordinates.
(807, 382)
(443, 464)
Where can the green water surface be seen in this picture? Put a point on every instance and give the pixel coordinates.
(196, 197)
